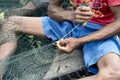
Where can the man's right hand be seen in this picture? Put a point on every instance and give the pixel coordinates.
(82, 14)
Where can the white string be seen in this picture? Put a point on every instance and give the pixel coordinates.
(69, 32)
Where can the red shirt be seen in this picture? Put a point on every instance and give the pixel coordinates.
(101, 8)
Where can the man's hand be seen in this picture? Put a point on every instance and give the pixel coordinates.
(82, 14)
(68, 45)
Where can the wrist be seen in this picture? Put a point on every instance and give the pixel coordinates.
(70, 15)
(82, 40)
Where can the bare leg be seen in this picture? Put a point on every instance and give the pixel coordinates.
(108, 68)
(12, 25)
(5, 51)
(29, 5)
(31, 25)
(29, 8)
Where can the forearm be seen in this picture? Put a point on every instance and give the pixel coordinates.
(108, 31)
(61, 15)
(57, 12)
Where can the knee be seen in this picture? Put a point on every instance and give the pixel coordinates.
(13, 18)
(115, 72)
(10, 23)
(110, 73)
(10, 19)
(7, 24)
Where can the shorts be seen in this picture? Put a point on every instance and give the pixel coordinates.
(93, 51)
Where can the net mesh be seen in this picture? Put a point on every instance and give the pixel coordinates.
(33, 56)
(27, 64)
(31, 65)
(16, 9)
(41, 9)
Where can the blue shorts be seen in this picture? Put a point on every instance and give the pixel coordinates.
(93, 51)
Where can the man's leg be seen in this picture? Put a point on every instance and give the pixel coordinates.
(12, 25)
(26, 10)
(108, 67)
(29, 5)
(5, 51)
(30, 25)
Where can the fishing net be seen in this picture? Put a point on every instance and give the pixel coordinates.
(10, 7)
(31, 65)
(33, 56)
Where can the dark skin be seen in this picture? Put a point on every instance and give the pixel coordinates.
(76, 16)
(81, 14)
(69, 44)
(107, 71)
(33, 25)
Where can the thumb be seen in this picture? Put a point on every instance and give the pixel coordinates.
(62, 43)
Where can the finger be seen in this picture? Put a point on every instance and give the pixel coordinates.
(84, 8)
(63, 49)
(78, 21)
(62, 42)
(89, 13)
(83, 17)
(60, 45)
(78, 12)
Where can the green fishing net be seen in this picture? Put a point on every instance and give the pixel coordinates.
(31, 65)
(14, 7)
(33, 56)
(10, 7)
